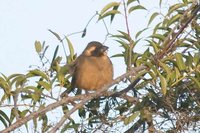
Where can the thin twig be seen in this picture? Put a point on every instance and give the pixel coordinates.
(91, 19)
(129, 36)
(78, 32)
(74, 33)
(126, 18)
(18, 105)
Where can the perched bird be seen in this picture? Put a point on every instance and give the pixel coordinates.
(93, 68)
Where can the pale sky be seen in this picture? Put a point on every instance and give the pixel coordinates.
(22, 22)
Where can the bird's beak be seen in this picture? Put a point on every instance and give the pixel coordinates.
(104, 48)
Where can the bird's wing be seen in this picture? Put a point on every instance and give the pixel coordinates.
(74, 69)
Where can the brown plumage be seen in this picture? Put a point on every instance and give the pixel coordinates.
(93, 68)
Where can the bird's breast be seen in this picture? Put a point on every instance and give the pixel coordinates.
(93, 73)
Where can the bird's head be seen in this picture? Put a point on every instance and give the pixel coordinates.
(95, 49)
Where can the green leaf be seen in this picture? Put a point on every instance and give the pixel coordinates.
(35, 123)
(15, 75)
(154, 45)
(123, 44)
(6, 86)
(185, 1)
(81, 112)
(189, 60)
(130, 1)
(84, 33)
(45, 127)
(140, 32)
(166, 69)
(135, 57)
(133, 8)
(61, 79)
(120, 37)
(38, 46)
(55, 54)
(141, 74)
(55, 65)
(179, 61)
(29, 88)
(158, 36)
(196, 59)
(156, 28)
(175, 7)
(45, 49)
(4, 76)
(3, 83)
(19, 81)
(23, 113)
(163, 84)
(12, 115)
(35, 97)
(56, 35)
(108, 6)
(173, 19)
(106, 108)
(125, 35)
(117, 55)
(37, 72)
(113, 12)
(5, 117)
(113, 15)
(196, 81)
(70, 125)
(65, 108)
(71, 48)
(152, 17)
(177, 73)
(153, 76)
(3, 121)
(131, 118)
(46, 85)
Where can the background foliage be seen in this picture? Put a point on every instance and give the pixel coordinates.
(162, 96)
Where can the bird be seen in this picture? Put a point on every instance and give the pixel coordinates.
(93, 68)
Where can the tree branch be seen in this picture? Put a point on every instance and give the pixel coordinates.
(65, 100)
(95, 95)
(171, 43)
